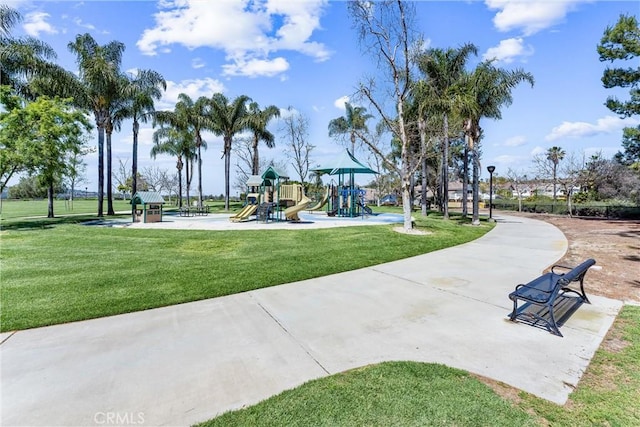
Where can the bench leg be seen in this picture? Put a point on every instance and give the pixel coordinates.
(553, 326)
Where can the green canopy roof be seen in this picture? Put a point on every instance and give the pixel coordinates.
(345, 164)
(146, 197)
(273, 173)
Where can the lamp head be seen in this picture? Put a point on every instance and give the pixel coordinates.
(491, 169)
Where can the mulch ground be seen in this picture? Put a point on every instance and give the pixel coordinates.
(614, 244)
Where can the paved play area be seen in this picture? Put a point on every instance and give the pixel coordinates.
(308, 220)
(187, 363)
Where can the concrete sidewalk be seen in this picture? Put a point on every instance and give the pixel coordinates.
(187, 363)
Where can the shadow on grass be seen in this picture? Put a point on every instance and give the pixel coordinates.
(24, 224)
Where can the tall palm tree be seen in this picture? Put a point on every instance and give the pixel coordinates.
(99, 80)
(23, 58)
(139, 93)
(443, 70)
(555, 155)
(228, 120)
(257, 121)
(490, 87)
(178, 143)
(354, 120)
(192, 117)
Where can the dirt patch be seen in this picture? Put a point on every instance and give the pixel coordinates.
(614, 244)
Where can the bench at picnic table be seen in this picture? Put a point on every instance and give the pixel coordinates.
(544, 296)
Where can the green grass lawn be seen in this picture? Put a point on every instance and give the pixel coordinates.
(55, 271)
(388, 394)
(14, 209)
(420, 394)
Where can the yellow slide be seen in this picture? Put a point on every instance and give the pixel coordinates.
(322, 202)
(292, 212)
(245, 213)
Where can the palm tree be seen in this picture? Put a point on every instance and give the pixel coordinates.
(354, 121)
(490, 87)
(257, 121)
(555, 155)
(178, 143)
(139, 93)
(25, 58)
(99, 79)
(192, 117)
(440, 93)
(228, 120)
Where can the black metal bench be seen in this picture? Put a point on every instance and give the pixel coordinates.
(545, 296)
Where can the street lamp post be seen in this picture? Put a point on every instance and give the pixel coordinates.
(491, 169)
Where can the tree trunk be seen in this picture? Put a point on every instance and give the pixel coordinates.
(199, 177)
(465, 178)
(134, 161)
(188, 177)
(423, 156)
(255, 166)
(100, 170)
(110, 211)
(50, 200)
(179, 167)
(476, 186)
(227, 167)
(445, 169)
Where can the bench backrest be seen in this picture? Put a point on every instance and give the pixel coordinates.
(577, 272)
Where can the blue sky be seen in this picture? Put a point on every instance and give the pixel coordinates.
(304, 54)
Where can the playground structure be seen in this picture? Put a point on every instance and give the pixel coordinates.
(346, 200)
(271, 197)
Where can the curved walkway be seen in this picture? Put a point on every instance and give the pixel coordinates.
(183, 364)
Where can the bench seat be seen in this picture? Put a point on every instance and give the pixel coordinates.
(545, 291)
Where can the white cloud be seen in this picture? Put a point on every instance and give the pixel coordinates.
(507, 159)
(197, 63)
(248, 32)
(538, 150)
(339, 103)
(508, 50)
(79, 23)
(36, 23)
(256, 67)
(530, 16)
(607, 124)
(194, 88)
(515, 141)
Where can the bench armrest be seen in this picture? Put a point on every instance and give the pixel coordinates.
(560, 266)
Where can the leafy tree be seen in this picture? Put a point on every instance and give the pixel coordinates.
(97, 89)
(229, 119)
(29, 187)
(621, 42)
(138, 94)
(354, 120)
(55, 130)
(257, 121)
(14, 148)
(606, 179)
